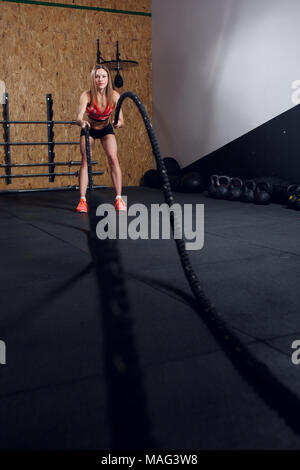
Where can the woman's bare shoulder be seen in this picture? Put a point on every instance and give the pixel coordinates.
(116, 96)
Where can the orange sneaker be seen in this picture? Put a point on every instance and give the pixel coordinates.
(82, 206)
(120, 205)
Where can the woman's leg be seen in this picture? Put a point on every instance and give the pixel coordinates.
(83, 172)
(109, 145)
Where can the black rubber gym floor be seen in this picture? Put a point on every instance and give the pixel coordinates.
(54, 391)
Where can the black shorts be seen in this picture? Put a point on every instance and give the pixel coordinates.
(99, 133)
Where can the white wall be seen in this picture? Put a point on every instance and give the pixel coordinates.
(220, 69)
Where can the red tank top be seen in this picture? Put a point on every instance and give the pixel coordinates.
(95, 113)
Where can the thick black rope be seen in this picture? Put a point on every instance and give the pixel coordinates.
(127, 408)
(257, 374)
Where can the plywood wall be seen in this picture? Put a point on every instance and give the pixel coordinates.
(52, 50)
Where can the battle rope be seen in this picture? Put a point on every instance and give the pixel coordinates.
(257, 374)
(127, 409)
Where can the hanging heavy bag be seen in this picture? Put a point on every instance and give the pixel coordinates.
(263, 193)
(249, 190)
(235, 189)
(222, 190)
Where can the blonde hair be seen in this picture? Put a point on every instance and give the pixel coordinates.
(109, 88)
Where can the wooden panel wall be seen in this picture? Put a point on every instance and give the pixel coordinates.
(52, 50)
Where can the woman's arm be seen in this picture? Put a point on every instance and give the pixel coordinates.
(84, 99)
(120, 122)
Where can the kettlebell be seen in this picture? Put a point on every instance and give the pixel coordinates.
(248, 194)
(214, 186)
(262, 195)
(297, 203)
(235, 190)
(293, 192)
(222, 190)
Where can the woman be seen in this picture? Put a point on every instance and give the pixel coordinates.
(98, 103)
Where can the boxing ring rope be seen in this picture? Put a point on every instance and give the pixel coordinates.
(258, 375)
